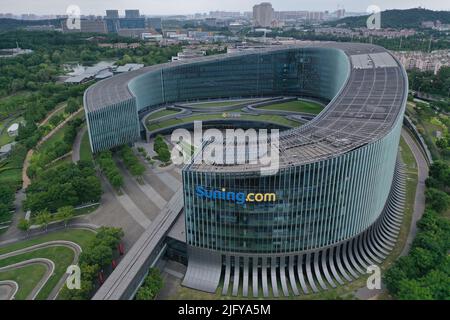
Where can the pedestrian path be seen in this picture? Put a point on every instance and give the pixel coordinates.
(133, 210)
(169, 180)
(153, 195)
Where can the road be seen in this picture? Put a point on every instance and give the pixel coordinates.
(77, 145)
(419, 199)
(48, 264)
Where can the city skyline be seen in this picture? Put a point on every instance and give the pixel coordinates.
(168, 7)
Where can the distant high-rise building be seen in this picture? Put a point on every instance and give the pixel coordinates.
(263, 14)
(132, 14)
(112, 20)
(154, 23)
(316, 15)
(340, 13)
(88, 25)
(112, 14)
(132, 20)
(131, 23)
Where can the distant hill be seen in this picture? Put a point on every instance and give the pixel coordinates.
(409, 18)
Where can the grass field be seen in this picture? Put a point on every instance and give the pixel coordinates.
(4, 137)
(224, 103)
(161, 113)
(272, 118)
(80, 236)
(11, 176)
(27, 278)
(61, 256)
(296, 106)
(85, 148)
(58, 135)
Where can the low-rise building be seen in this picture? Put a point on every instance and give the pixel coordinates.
(6, 150)
(129, 67)
(13, 130)
(189, 54)
(424, 61)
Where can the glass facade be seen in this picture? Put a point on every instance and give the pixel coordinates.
(315, 72)
(318, 204)
(123, 117)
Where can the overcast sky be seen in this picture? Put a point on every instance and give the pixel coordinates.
(157, 7)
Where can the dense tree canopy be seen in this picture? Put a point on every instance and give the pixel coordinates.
(69, 184)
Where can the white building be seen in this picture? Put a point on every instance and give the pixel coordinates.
(13, 130)
(6, 150)
(129, 67)
(187, 54)
(147, 36)
(263, 15)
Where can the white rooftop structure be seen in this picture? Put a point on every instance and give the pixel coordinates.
(6, 149)
(129, 67)
(13, 129)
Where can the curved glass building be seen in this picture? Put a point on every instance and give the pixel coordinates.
(336, 198)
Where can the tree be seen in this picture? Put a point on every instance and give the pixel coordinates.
(99, 254)
(439, 175)
(43, 218)
(65, 213)
(6, 194)
(164, 155)
(438, 282)
(145, 293)
(153, 283)
(137, 170)
(437, 200)
(72, 105)
(109, 236)
(116, 181)
(412, 290)
(24, 225)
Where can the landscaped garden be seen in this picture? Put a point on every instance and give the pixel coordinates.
(28, 277)
(296, 106)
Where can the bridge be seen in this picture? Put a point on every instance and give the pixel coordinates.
(125, 280)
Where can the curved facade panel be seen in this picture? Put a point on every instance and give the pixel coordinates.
(317, 204)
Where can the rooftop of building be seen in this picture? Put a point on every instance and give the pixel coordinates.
(365, 109)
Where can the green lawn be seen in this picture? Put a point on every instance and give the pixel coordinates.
(27, 278)
(296, 106)
(4, 137)
(224, 103)
(61, 256)
(11, 176)
(272, 118)
(80, 236)
(161, 113)
(58, 136)
(85, 148)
